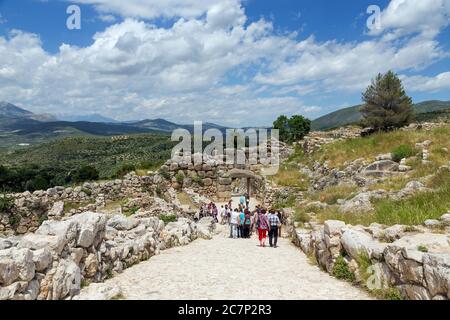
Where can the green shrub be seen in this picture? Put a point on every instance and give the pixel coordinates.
(14, 220)
(124, 169)
(402, 151)
(85, 173)
(131, 211)
(6, 203)
(87, 191)
(301, 216)
(388, 294)
(341, 270)
(168, 218)
(422, 248)
(179, 177)
(164, 173)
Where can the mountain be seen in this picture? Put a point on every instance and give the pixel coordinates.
(351, 115)
(94, 117)
(167, 126)
(8, 110)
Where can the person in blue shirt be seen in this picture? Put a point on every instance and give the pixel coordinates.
(241, 223)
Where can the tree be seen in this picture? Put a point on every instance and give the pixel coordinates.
(299, 127)
(386, 103)
(292, 129)
(86, 173)
(282, 124)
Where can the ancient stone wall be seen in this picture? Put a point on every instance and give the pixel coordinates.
(29, 210)
(63, 256)
(415, 262)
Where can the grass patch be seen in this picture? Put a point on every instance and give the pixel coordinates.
(422, 248)
(290, 176)
(341, 270)
(301, 216)
(283, 201)
(6, 203)
(331, 195)
(168, 218)
(368, 148)
(131, 211)
(68, 206)
(403, 151)
(387, 294)
(414, 210)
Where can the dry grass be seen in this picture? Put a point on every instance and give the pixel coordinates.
(369, 147)
(331, 195)
(186, 200)
(290, 176)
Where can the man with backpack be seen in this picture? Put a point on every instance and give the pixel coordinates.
(274, 224)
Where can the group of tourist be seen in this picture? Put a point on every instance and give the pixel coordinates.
(207, 210)
(243, 222)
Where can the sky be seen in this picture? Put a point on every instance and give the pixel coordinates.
(232, 62)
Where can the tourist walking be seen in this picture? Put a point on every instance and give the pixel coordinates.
(241, 223)
(234, 223)
(247, 223)
(262, 224)
(274, 224)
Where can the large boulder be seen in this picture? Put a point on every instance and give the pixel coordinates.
(360, 202)
(91, 226)
(381, 168)
(357, 243)
(16, 259)
(437, 273)
(57, 209)
(66, 280)
(121, 222)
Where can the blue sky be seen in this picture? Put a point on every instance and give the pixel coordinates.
(226, 61)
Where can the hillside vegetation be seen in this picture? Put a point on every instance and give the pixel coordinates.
(110, 156)
(414, 210)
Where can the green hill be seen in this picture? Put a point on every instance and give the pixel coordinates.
(58, 158)
(426, 111)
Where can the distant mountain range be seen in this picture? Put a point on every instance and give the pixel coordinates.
(8, 110)
(22, 127)
(352, 115)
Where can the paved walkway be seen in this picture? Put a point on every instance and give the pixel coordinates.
(229, 269)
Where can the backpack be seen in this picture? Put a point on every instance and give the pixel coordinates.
(248, 221)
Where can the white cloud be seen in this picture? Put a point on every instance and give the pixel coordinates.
(203, 66)
(151, 9)
(403, 17)
(428, 84)
(107, 18)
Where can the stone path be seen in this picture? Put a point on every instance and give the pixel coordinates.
(229, 269)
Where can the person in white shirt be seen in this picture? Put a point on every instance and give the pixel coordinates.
(234, 223)
(223, 215)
